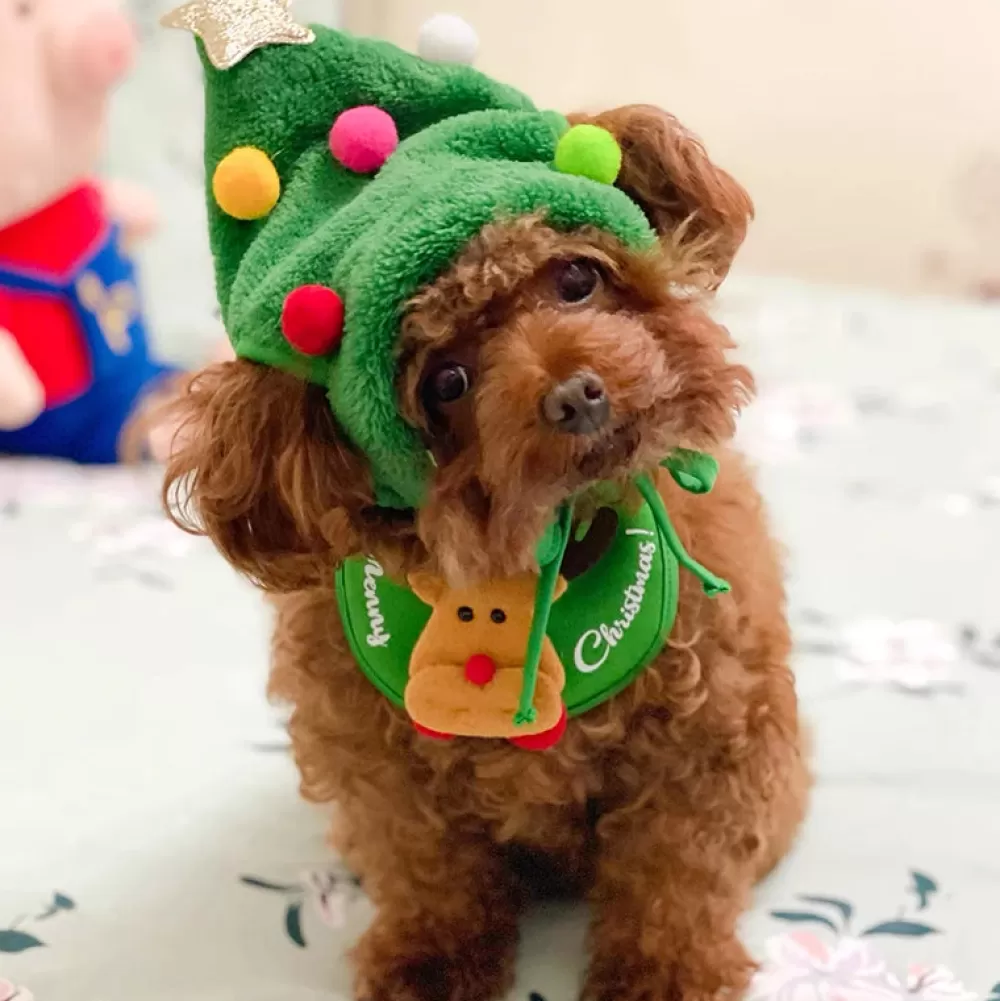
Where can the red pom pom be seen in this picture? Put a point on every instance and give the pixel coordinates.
(480, 669)
(543, 741)
(425, 731)
(362, 139)
(313, 319)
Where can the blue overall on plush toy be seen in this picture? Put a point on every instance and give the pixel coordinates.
(69, 300)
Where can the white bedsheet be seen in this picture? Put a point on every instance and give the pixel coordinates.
(152, 845)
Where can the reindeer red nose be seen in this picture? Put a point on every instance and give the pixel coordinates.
(480, 669)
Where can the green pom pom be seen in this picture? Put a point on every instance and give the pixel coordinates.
(589, 151)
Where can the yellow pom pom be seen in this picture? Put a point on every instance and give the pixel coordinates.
(245, 184)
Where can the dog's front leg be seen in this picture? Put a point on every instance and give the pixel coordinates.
(700, 819)
(446, 924)
(665, 919)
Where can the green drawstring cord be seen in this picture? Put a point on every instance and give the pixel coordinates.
(544, 599)
(712, 585)
(695, 472)
(549, 578)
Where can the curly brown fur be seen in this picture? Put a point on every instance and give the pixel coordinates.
(259, 466)
(659, 355)
(664, 805)
(687, 198)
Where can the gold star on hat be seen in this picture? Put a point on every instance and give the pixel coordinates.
(232, 29)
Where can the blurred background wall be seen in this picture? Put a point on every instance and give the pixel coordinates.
(867, 131)
(155, 138)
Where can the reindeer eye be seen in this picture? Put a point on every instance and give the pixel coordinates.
(449, 383)
(577, 281)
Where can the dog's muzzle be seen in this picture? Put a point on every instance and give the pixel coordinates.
(578, 406)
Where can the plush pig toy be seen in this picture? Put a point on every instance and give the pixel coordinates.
(76, 379)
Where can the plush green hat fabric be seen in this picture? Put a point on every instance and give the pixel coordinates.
(471, 151)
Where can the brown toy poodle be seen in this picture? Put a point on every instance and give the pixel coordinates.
(663, 806)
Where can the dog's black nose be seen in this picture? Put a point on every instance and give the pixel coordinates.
(578, 406)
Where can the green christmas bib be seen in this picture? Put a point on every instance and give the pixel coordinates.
(611, 621)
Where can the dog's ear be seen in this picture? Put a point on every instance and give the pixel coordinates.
(689, 201)
(259, 466)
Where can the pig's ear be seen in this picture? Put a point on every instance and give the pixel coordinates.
(427, 587)
(691, 203)
(259, 465)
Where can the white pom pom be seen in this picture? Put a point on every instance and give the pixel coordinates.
(446, 38)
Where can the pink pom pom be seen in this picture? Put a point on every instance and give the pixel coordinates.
(362, 139)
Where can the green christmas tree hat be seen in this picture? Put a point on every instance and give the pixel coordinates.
(346, 175)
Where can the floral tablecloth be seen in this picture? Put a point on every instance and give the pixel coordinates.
(152, 845)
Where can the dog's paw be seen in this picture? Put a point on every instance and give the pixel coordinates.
(722, 976)
(478, 970)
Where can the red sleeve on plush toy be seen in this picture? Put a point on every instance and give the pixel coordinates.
(47, 246)
(49, 338)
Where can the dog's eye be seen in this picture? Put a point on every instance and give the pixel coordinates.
(499, 616)
(449, 383)
(466, 614)
(577, 281)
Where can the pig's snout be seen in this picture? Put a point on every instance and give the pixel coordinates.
(97, 52)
